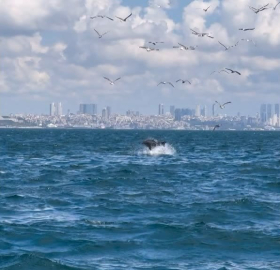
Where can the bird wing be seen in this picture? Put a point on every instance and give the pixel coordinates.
(119, 18)
(229, 69)
(276, 6)
(237, 72)
(97, 32)
(117, 79)
(93, 17)
(159, 83)
(107, 79)
(208, 8)
(223, 71)
(217, 102)
(143, 47)
(182, 45)
(188, 81)
(212, 72)
(171, 84)
(222, 44)
(159, 42)
(105, 33)
(194, 32)
(128, 16)
(248, 29)
(254, 9)
(109, 18)
(179, 80)
(227, 103)
(176, 47)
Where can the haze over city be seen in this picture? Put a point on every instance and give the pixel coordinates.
(50, 53)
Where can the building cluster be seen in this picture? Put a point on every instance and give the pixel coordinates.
(177, 118)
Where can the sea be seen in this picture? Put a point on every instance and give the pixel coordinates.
(99, 199)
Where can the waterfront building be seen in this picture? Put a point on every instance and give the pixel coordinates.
(90, 109)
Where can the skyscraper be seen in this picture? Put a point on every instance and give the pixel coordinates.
(104, 114)
(88, 109)
(197, 111)
(269, 111)
(59, 109)
(160, 109)
(108, 111)
(204, 111)
(263, 113)
(277, 110)
(52, 109)
(172, 110)
(213, 109)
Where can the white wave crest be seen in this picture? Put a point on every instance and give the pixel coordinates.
(167, 149)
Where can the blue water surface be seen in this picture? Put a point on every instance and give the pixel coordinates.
(98, 199)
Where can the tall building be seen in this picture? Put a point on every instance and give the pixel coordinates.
(160, 109)
(88, 109)
(269, 111)
(52, 109)
(197, 111)
(213, 109)
(178, 114)
(277, 110)
(172, 110)
(104, 114)
(108, 111)
(59, 109)
(204, 111)
(56, 109)
(263, 113)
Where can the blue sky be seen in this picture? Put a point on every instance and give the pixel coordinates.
(51, 53)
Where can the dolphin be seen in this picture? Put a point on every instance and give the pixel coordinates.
(151, 143)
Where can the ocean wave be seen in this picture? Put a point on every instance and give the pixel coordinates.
(160, 150)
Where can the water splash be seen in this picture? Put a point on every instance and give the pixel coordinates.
(167, 149)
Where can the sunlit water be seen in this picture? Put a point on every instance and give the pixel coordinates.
(89, 199)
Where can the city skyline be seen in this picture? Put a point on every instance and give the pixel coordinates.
(54, 54)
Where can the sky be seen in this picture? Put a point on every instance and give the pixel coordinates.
(50, 52)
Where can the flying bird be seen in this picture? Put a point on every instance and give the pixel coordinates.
(222, 70)
(257, 10)
(99, 35)
(276, 6)
(111, 82)
(181, 47)
(156, 42)
(206, 9)
(222, 106)
(148, 49)
(249, 40)
(226, 47)
(183, 81)
(166, 83)
(233, 71)
(246, 29)
(124, 20)
(101, 16)
(216, 126)
(201, 34)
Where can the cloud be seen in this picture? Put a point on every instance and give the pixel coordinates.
(51, 48)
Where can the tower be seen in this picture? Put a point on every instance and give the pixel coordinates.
(263, 113)
(172, 110)
(52, 109)
(197, 111)
(160, 109)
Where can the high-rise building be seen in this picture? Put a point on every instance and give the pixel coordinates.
(88, 109)
(52, 109)
(213, 109)
(59, 109)
(263, 113)
(178, 114)
(269, 111)
(108, 108)
(56, 109)
(172, 110)
(277, 109)
(197, 111)
(104, 114)
(160, 109)
(204, 111)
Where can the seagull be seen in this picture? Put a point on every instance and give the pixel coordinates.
(201, 34)
(183, 81)
(181, 47)
(246, 29)
(248, 40)
(257, 10)
(216, 126)
(111, 82)
(124, 20)
(222, 106)
(276, 6)
(101, 16)
(226, 47)
(156, 42)
(206, 8)
(192, 48)
(233, 71)
(100, 36)
(223, 70)
(166, 83)
(148, 49)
